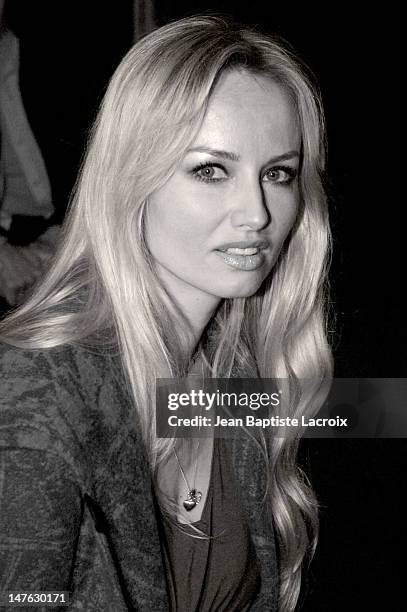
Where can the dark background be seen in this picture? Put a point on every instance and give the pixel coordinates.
(68, 52)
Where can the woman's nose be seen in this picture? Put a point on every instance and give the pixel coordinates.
(250, 209)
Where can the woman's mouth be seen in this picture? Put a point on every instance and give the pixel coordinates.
(248, 259)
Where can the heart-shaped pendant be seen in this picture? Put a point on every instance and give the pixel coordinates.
(189, 504)
(193, 498)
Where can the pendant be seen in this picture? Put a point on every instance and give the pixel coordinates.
(193, 498)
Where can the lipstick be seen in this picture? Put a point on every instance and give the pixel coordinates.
(244, 255)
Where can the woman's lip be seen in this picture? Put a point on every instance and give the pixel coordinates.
(247, 263)
(245, 244)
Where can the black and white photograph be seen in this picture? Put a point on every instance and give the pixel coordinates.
(203, 365)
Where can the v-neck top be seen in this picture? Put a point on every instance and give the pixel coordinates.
(219, 572)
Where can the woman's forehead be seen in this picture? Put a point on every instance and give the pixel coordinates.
(249, 114)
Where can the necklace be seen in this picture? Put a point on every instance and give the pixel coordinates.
(193, 496)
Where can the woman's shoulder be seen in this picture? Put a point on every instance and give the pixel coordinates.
(66, 399)
(73, 367)
(27, 372)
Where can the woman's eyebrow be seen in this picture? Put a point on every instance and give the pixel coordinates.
(234, 157)
(216, 153)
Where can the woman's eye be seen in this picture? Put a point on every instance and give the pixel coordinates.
(209, 173)
(282, 175)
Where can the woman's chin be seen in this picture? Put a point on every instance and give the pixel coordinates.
(243, 291)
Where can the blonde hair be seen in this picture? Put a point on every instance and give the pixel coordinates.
(152, 110)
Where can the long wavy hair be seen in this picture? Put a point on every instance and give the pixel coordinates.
(103, 285)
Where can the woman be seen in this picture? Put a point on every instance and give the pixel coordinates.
(197, 240)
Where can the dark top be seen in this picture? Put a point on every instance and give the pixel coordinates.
(219, 573)
(77, 511)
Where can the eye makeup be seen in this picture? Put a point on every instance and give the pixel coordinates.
(206, 172)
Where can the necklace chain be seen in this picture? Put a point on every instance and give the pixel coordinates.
(182, 471)
(193, 496)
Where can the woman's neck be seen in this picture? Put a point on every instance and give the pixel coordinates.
(198, 319)
(196, 306)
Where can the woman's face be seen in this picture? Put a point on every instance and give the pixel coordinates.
(216, 227)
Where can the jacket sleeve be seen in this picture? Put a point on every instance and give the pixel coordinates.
(40, 509)
(40, 495)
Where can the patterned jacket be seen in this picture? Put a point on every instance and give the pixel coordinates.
(76, 503)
